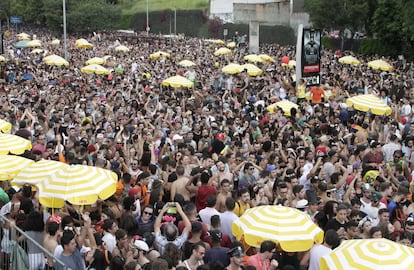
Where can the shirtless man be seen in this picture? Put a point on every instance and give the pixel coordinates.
(50, 242)
(222, 172)
(178, 186)
(224, 193)
(361, 136)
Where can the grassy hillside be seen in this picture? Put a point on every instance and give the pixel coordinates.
(130, 7)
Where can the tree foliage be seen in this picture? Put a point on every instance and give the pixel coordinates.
(337, 14)
(390, 21)
(81, 15)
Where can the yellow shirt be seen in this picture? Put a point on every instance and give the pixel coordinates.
(301, 91)
(240, 208)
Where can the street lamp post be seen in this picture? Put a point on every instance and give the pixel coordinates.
(64, 30)
(148, 28)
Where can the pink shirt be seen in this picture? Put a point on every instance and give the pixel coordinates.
(258, 262)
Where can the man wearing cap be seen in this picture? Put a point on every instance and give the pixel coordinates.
(409, 224)
(217, 252)
(371, 202)
(236, 258)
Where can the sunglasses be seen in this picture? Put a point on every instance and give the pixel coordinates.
(148, 213)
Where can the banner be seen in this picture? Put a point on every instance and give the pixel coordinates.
(311, 56)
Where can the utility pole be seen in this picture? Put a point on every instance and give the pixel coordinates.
(64, 31)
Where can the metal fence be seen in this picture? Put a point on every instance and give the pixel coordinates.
(15, 254)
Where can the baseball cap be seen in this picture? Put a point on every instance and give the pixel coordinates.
(410, 219)
(141, 245)
(4, 197)
(216, 235)
(270, 168)
(235, 252)
(133, 191)
(301, 204)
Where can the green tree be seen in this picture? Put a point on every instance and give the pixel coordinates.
(29, 10)
(387, 21)
(81, 15)
(337, 14)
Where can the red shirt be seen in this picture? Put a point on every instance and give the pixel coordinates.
(202, 195)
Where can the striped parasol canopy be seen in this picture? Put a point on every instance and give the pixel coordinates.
(380, 64)
(187, 63)
(96, 69)
(77, 184)
(369, 103)
(285, 105)
(96, 60)
(251, 69)
(11, 165)
(232, 68)
(350, 60)
(222, 51)
(83, 43)
(55, 60)
(5, 126)
(292, 229)
(253, 58)
(159, 54)
(178, 81)
(13, 144)
(369, 254)
(267, 58)
(37, 172)
(122, 48)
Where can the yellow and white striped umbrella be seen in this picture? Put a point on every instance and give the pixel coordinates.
(231, 45)
(23, 36)
(292, 229)
(13, 144)
(11, 165)
(186, 63)
(380, 64)
(350, 60)
(55, 60)
(34, 43)
(159, 54)
(267, 58)
(291, 64)
(370, 103)
(251, 69)
(5, 126)
(222, 51)
(95, 60)
(37, 172)
(94, 68)
(55, 42)
(369, 254)
(285, 105)
(253, 58)
(232, 68)
(78, 184)
(178, 81)
(122, 48)
(83, 43)
(37, 51)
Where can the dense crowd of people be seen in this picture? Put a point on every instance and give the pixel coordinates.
(190, 161)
